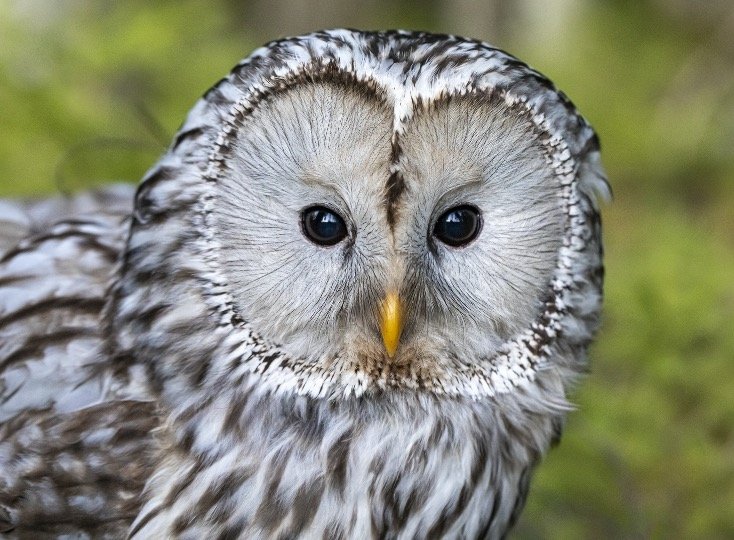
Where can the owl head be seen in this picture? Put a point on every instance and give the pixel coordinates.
(361, 212)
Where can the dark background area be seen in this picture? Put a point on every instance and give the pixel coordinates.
(92, 91)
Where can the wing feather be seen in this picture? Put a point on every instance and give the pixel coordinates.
(73, 456)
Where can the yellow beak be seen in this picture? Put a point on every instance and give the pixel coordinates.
(391, 322)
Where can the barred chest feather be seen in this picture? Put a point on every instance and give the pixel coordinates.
(400, 466)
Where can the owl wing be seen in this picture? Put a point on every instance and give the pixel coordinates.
(57, 257)
(70, 450)
(22, 219)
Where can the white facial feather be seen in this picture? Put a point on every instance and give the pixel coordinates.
(484, 154)
(315, 145)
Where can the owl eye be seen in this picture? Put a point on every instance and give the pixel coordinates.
(323, 226)
(458, 226)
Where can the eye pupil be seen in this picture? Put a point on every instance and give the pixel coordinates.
(458, 226)
(323, 226)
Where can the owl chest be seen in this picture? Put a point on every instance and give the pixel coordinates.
(386, 479)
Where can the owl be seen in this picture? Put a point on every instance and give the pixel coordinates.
(349, 301)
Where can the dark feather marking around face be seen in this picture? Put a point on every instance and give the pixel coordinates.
(214, 94)
(184, 135)
(144, 207)
(449, 61)
(268, 359)
(395, 187)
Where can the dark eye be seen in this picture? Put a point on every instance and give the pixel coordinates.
(323, 226)
(458, 226)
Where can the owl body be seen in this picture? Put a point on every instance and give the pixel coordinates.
(348, 302)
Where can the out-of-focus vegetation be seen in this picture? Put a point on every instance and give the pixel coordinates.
(92, 91)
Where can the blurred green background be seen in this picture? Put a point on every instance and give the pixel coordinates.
(93, 91)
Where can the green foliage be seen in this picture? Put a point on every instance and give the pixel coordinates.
(93, 91)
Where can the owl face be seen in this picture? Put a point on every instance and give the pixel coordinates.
(327, 214)
(388, 210)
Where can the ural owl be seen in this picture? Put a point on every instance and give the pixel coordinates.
(347, 302)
